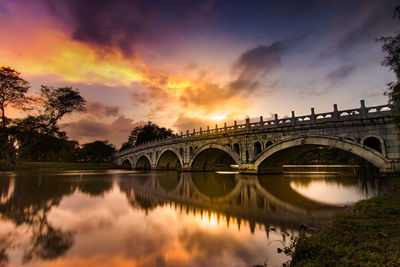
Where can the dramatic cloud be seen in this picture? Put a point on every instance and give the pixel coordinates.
(371, 21)
(261, 59)
(125, 23)
(340, 73)
(87, 130)
(184, 123)
(84, 129)
(100, 110)
(249, 71)
(212, 61)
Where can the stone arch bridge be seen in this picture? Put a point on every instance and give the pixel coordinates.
(265, 146)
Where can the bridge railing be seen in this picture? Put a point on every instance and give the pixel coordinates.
(336, 116)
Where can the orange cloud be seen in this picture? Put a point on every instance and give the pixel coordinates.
(41, 47)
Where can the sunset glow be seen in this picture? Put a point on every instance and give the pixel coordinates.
(202, 65)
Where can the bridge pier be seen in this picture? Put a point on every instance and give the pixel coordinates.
(391, 167)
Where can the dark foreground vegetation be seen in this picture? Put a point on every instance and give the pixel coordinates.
(368, 236)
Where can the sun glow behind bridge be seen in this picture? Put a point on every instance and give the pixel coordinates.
(217, 117)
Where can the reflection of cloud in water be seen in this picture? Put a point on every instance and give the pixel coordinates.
(163, 237)
(210, 248)
(183, 228)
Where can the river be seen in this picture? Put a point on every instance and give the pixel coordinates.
(164, 218)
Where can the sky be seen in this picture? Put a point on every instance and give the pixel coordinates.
(188, 64)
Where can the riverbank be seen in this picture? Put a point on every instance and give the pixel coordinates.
(368, 236)
(55, 166)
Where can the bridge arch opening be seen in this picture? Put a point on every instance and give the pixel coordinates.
(316, 150)
(236, 148)
(374, 143)
(268, 144)
(143, 163)
(169, 160)
(257, 148)
(126, 164)
(212, 158)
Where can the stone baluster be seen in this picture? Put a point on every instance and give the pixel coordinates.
(208, 129)
(276, 120)
(216, 128)
(247, 124)
(335, 112)
(201, 130)
(235, 125)
(261, 122)
(313, 117)
(181, 134)
(187, 133)
(224, 126)
(363, 110)
(293, 119)
(194, 131)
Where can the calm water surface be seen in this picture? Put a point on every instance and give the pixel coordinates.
(127, 218)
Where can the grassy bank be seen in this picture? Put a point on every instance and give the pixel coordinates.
(368, 236)
(54, 166)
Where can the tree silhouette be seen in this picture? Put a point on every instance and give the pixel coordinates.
(147, 132)
(54, 104)
(13, 91)
(391, 46)
(98, 150)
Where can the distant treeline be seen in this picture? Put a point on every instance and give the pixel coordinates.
(50, 148)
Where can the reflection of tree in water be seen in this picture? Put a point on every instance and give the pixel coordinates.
(95, 187)
(144, 203)
(29, 204)
(48, 243)
(214, 185)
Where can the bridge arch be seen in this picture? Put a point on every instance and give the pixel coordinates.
(143, 162)
(169, 158)
(375, 142)
(197, 162)
(236, 148)
(258, 148)
(269, 143)
(273, 158)
(126, 164)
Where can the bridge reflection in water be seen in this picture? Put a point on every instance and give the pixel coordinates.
(177, 218)
(267, 201)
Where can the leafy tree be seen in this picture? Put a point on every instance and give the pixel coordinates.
(98, 150)
(54, 104)
(13, 91)
(125, 145)
(148, 132)
(391, 46)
